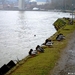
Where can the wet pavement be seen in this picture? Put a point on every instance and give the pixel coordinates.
(70, 64)
(66, 64)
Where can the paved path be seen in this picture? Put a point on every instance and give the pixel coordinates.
(66, 64)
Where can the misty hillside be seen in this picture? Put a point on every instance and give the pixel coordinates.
(12, 0)
(41, 0)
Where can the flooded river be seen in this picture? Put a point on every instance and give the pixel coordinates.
(17, 30)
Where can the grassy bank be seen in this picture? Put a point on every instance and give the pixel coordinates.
(44, 62)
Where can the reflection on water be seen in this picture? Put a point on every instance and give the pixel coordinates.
(17, 30)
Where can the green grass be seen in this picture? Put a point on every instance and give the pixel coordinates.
(59, 23)
(44, 62)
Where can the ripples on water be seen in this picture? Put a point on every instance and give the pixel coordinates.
(17, 30)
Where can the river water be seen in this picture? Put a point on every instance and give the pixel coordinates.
(17, 30)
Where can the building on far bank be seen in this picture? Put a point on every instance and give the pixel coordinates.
(42, 2)
(21, 4)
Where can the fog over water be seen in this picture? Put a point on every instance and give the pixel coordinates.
(17, 30)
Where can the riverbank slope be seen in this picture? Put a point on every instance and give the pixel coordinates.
(44, 62)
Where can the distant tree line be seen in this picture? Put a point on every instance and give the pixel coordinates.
(63, 4)
(53, 4)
